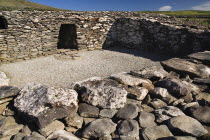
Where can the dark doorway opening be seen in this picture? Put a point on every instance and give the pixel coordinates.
(3, 23)
(67, 37)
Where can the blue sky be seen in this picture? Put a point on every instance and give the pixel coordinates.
(128, 5)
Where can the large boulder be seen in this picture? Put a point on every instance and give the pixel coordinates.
(185, 67)
(104, 93)
(4, 81)
(127, 79)
(174, 86)
(99, 128)
(156, 132)
(204, 57)
(44, 104)
(187, 125)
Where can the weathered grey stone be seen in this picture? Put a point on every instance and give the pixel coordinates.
(107, 113)
(156, 132)
(146, 108)
(34, 136)
(11, 130)
(127, 79)
(160, 92)
(19, 136)
(8, 91)
(204, 57)
(54, 126)
(74, 120)
(4, 81)
(188, 98)
(202, 81)
(128, 138)
(62, 134)
(88, 111)
(157, 103)
(44, 104)
(184, 67)
(190, 105)
(146, 119)
(26, 130)
(5, 100)
(104, 93)
(174, 86)
(88, 120)
(202, 114)
(151, 73)
(129, 111)
(177, 102)
(138, 93)
(187, 125)
(128, 128)
(109, 137)
(3, 107)
(179, 138)
(99, 128)
(166, 113)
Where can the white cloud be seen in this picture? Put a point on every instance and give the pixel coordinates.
(165, 8)
(205, 7)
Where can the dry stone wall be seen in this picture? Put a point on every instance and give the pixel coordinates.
(35, 33)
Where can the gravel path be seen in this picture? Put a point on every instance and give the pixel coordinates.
(51, 71)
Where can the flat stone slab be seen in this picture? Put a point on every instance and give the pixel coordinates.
(185, 67)
(204, 57)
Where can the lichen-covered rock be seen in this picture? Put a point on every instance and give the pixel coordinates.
(104, 93)
(187, 125)
(127, 79)
(174, 86)
(154, 73)
(166, 113)
(44, 104)
(8, 91)
(4, 81)
(184, 67)
(99, 128)
(156, 132)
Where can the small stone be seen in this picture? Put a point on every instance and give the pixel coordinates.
(109, 137)
(11, 130)
(153, 73)
(3, 107)
(138, 93)
(34, 136)
(129, 111)
(19, 136)
(174, 86)
(128, 128)
(202, 114)
(188, 98)
(146, 108)
(187, 125)
(166, 113)
(26, 130)
(135, 102)
(71, 129)
(63, 135)
(126, 79)
(99, 128)
(190, 105)
(88, 111)
(156, 132)
(201, 56)
(107, 113)
(6, 137)
(160, 92)
(177, 102)
(8, 112)
(54, 126)
(157, 103)
(146, 119)
(8, 91)
(5, 100)
(4, 81)
(128, 138)
(74, 120)
(88, 120)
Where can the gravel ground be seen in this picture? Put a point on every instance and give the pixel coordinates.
(102, 63)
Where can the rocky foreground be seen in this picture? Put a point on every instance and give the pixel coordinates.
(169, 103)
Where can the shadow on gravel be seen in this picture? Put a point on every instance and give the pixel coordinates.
(154, 38)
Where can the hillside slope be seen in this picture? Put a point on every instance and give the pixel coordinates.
(23, 5)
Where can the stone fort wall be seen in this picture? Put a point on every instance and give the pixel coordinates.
(35, 33)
